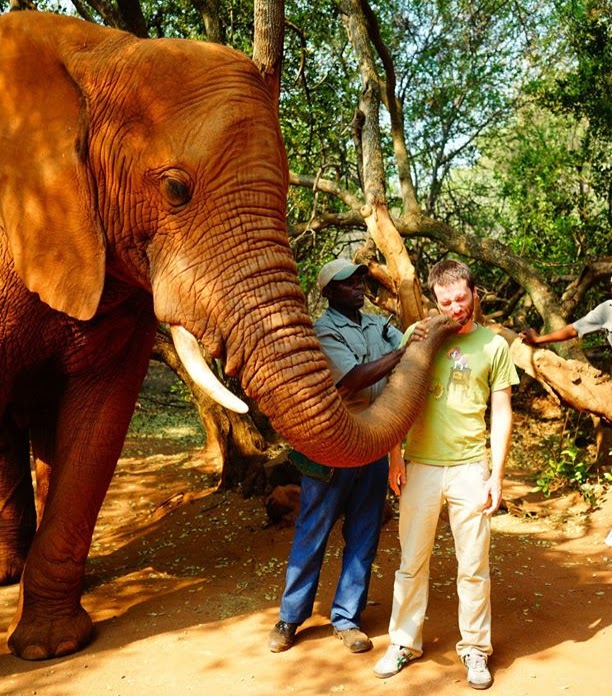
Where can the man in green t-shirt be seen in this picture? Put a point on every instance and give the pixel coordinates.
(446, 461)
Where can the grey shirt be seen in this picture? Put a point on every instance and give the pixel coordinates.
(597, 319)
(347, 344)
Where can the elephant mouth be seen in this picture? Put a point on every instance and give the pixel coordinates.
(188, 350)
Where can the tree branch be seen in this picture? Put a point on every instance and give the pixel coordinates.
(327, 186)
(110, 16)
(576, 383)
(396, 114)
(209, 12)
(376, 211)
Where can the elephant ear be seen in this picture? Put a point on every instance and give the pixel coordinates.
(46, 198)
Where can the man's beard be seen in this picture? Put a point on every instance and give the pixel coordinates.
(468, 317)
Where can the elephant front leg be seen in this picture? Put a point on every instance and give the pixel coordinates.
(49, 627)
(92, 423)
(17, 514)
(30, 639)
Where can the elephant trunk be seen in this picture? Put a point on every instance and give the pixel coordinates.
(259, 325)
(299, 396)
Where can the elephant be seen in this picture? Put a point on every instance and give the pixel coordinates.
(142, 181)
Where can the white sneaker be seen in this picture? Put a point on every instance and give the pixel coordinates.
(478, 675)
(393, 661)
(608, 539)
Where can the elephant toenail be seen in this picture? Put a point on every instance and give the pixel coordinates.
(34, 652)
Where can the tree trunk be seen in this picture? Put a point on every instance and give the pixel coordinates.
(402, 279)
(576, 383)
(209, 12)
(603, 440)
(269, 27)
(133, 19)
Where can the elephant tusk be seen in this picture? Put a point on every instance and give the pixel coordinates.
(189, 352)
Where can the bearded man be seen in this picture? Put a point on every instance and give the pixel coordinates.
(446, 461)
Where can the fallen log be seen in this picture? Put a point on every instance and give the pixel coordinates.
(578, 384)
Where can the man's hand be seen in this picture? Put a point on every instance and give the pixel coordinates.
(397, 470)
(493, 490)
(420, 331)
(565, 333)
(529, 336)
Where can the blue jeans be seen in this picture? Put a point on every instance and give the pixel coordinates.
(358, 493)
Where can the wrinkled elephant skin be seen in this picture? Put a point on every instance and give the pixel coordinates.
(140, 182)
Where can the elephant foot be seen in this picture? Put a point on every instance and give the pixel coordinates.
(42, 637)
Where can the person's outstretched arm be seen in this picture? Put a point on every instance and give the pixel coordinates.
(531, 338)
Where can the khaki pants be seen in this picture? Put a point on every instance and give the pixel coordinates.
(426, 489)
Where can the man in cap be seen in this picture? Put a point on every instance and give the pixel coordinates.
(361, 350)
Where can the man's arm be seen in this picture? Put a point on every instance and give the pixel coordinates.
(362, 376)
(531, 338)
(501, 431)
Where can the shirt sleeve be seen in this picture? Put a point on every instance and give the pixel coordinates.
(593, 321)
(395, 338)
(503, 372)
(340, 358)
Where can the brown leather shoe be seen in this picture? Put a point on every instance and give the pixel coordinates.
(354, 639)
(282, 636)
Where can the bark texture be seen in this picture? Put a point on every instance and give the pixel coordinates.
(576, 383)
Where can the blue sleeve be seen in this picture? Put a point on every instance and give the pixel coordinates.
(395, 337)
(340, 358)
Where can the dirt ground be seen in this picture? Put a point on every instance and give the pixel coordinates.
(184, 584)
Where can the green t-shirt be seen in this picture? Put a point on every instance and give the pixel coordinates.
(451, 428)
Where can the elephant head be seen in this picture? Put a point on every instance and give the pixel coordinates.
(161, 162)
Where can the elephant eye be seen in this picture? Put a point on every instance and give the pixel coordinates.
(175, 191)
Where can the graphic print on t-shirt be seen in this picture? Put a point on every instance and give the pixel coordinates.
(459, 372)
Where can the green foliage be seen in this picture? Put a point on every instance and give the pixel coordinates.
(458, 67)
(320, 91)
(568, 465)
(166, 411)
(181, 391)
(541, 182)
(580, 88)
(568, 468)
(565, 469)
(544, 194)
(168, 424)
(583, 88)
(173, 19)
